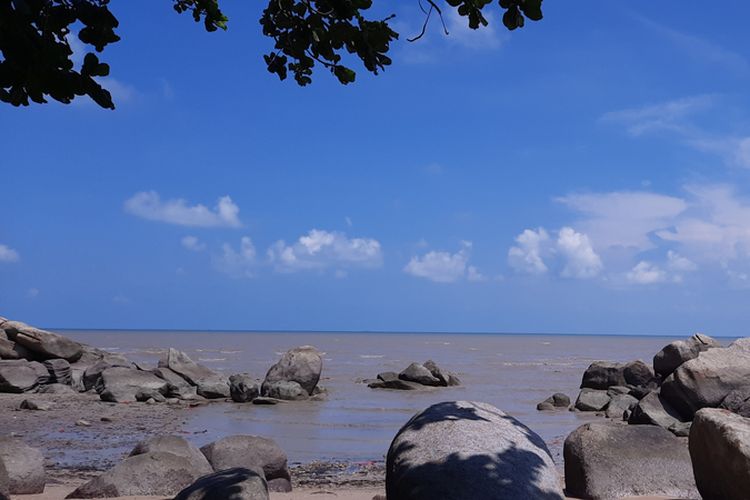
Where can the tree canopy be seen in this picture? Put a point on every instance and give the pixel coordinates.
(37, 59)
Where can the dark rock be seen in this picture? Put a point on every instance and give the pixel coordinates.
(618, 390)
(209, 384)
(545, 406)
(93, 373)
(654, 410)
(398, 384)
(45, 344)
(243, 388)
(59, 371)
(232, 484)
(720, 453)
(436, 372)
(56, 389)
(178, 446)
(592, 400)
(467, 450)
(260, 400)
(619, 404)
(155, 473)
(419, 374)
(675, 354)
(7, 347)
(638, 373)
(24, 466)
(250, 452)
(603, 374)
(284, 389)
(737, 401)
(302, 365)
(680, 429)
(606, 460)
(121, 384)
(388, 376)
(177, 386)
(706, 380)
(149, 396)
(557, 400)
(21, 376)
(640, 392)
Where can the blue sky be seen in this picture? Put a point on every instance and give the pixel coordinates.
(586, 174)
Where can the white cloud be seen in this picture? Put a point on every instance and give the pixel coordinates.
(444, 267)
(581, 261)
(237, 263)
(484, 38)
(646, 273)
(526, 257)
(193, 243)
(669, 115)
(7, 254)
(32, 293)
(148, 205)
(678, 263)
(321, 249)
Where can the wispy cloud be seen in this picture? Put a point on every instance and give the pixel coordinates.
(320, 249)
(193, 243)
(240, 263)
(7, 254)
(148, 205)
(444, 267)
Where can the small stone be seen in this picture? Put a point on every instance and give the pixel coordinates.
(107, 419)
(28, 404)
(83, 423)
(150, 401)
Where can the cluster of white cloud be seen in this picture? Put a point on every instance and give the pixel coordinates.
(647, 273)
(444, 267)
(572, 251)
(149, 205)
(320, 249)
(7, 254)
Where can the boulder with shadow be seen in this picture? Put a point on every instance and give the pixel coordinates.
(605, 460)
(390, 380)
(209, 384)
(592, 400)
(557, 400)
(602, 375)
(678, 352)
(121, 385)
(468, 450)
(59, 371)
(737, 401)
(416, 376)
(43, 344)
(176, 445)
(177, 387)
(302, 366)
(243, 388)
(655, 410)
(231, 484)
(23, 465)
(254, 453)
(20, 375)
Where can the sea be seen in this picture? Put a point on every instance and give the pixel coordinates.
(356, 424)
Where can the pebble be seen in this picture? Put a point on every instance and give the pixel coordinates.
(83, 423)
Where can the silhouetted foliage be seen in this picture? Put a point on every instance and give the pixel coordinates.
(37, 59)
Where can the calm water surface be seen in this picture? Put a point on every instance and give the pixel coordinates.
(355, 423)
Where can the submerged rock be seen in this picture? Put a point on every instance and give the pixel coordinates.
(284, 389)
(720, 451)
(243, 388)
(557, 400)
(419, 374)
(605, 460)
(231, 484)
(449, 449)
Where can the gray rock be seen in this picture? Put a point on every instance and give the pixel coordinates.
(24, 466)
(706, 380)
(419, 374)
(155, 473)
(449, 449)
(453, 380)
(606, 460)
(592, 400)
(640, 392)
(59, 371)
(557, 400)
(45, 344)
(56, 389)
(638, 373)
(302, 365)
(619, 404)
(387, 376)
(603, 374)
(30, 404)
(178, 446)
(437, 372)
(177, 387)
(618, 390)
(654, 410)
(263, 401)
(7, 347)
(232, 484)
(243, 388)
(286, 390)
(680, 429)
(396, 383)
(20, 375)
(737, 401)
(251, 452)
(4, 483)
(675, 354)
(121, 384)
(93, 373)
(209, 384)
(720, 454)
(545, 406)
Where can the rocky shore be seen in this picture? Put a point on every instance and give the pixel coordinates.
(75, 417)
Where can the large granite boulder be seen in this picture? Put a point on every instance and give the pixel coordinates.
(231, 484)
(603, 374)
(654, 410)
(606, 460)
(287, 390)
(302, 365)
(120, 385)
(59, 371)
(468, 450)
(178, 446)
(93, 373)
(419, 374)
(251, 452)
(43, 343)
(149, 474)
(706, 380)
(23, 465)
(243, 388)
(737, 401)
(19, 375)
(177, 387)
(638, 373)
(592, 400)
(678, 352)
(720, 450)
(209, 384)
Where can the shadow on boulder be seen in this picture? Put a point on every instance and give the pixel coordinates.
(232, 484)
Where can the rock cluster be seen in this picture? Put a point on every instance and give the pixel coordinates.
(415, 376)
(296, 375)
